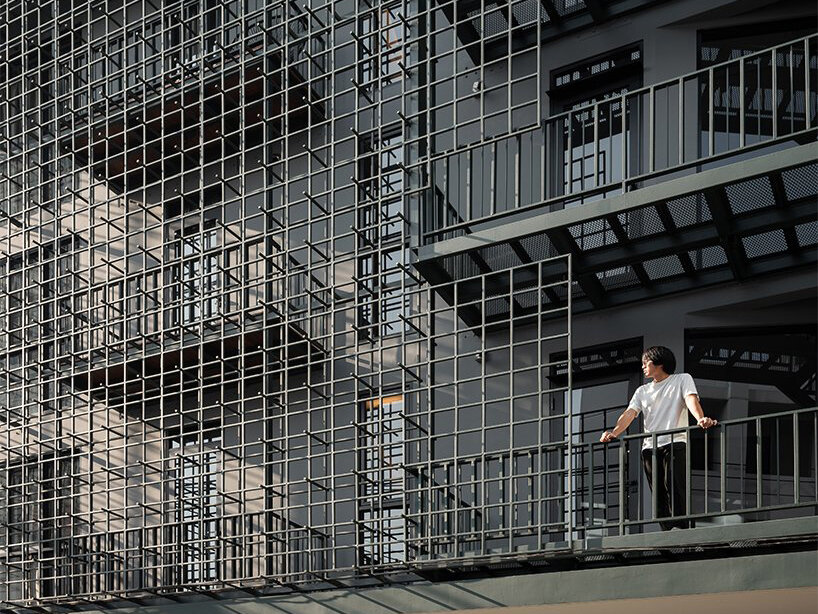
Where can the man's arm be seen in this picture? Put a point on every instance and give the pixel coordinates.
(622, 425)
(695, 408)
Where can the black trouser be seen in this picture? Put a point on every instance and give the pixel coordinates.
(670, 483)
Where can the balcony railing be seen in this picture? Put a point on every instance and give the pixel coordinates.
(754, 468)
(747, 469)
(618, 144)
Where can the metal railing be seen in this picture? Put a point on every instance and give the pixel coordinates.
(616, 144)
(753, 468)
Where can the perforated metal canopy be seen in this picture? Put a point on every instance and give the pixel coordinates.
(735, 222)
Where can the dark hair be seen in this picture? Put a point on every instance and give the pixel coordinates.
(661, 356)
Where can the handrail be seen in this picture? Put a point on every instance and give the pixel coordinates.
(680, 123)
(730, 480)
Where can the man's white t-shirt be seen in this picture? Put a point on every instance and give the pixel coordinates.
(663, 406)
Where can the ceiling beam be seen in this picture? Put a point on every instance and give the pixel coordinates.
(598, 10)
(720, 211)
(590, 284)
(780, 195)
(550, 10)
(624, 240)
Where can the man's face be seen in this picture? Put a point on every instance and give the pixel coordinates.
(649, 369)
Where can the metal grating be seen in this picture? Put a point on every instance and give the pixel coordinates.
(807, 233)
(708, 257)
(800, 182)
(667, 266)
(642, 222)
(664, 246)
(689, 210)
(750, 195)
(765, 243)
(620, 277)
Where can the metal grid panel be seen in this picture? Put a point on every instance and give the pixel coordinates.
(486, 467)
(689, 210)
(749, 195)
(203, 298)
(765, 243)
(807, 233)
(800, 182)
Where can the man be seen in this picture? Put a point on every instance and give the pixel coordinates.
(663, 401)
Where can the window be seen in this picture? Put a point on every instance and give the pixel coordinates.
(198, 274)
(380, 481)
(758, 371)
(381, 33)
(760, 112)
(380, 235)
(599, 79)
(36, 503)
(198, 500)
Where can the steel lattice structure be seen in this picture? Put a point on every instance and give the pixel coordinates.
(221, 368)
(217, 369)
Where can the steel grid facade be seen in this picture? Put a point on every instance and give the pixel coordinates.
(219, 368)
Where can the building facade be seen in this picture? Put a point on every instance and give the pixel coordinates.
(304, 301)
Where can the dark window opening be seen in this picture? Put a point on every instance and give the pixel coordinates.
(380, 481)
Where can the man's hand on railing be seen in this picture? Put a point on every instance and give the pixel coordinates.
(622, 424)
(706, 422)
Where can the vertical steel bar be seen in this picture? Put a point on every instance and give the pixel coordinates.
(596, 145)
(796, 455)
(807, 119)
(621, 451)
(792, 91)
(544, 157)
(741, 102)
(651, 128)
(570, 153)
(569, 352)
(493, 190)
(706, 469)
(723, 463)
(688, 480)
(774, 96)
(624, 163)
(759, 465)
(681, 144)
(591, 484)
(469, 186)
(654, 477)
(711, 133)
(778, 458)
(517, 169)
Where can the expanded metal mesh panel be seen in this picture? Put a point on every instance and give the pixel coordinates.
(620, 277)
(667, 266)
(500, 256)
(538, 247)
(565, 7)
(592, 234)
(642, 222)
(807, 233)
(765, 243)
(689, 210)
(800, 182)
(708, 257)
(749, 195)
